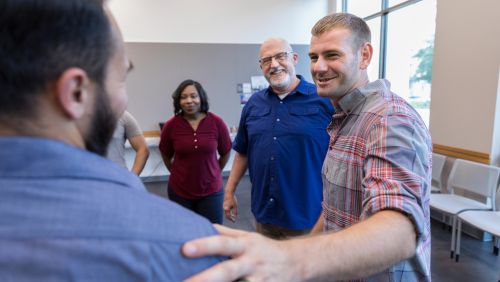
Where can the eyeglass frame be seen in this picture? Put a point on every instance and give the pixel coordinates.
(268, 60)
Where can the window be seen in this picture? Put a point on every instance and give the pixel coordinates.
(405, 30)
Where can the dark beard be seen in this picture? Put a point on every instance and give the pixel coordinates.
(102, 126)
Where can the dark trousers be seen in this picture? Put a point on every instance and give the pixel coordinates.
(209, 207)
(278, 232)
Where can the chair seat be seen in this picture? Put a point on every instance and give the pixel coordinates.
(484, 220)
(453, 204)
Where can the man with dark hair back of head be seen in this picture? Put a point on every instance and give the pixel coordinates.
(376, 182)
(67, 213)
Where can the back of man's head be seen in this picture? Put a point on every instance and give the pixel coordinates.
(40, 39)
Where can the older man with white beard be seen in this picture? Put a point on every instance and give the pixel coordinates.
(282, 140)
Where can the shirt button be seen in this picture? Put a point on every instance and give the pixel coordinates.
(272, 178)
(277, 119)
(194, 134)
(281, 102)
(196, 147)
(275, 138)
(271, 200)
(195, 140)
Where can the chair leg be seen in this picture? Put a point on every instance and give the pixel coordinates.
(443, 220)
(453, 229)
(459, 237)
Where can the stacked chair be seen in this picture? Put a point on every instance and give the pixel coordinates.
(488, 221)
(438, 162)
(477, 181)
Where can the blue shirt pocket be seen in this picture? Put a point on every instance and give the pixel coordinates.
(258, 120)
(306, 118)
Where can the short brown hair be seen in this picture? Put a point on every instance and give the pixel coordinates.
(357, 26)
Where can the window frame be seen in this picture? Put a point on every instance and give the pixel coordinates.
(384, 12)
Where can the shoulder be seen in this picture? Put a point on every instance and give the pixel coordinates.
(215, 118)
(172, 121)
(258, 96)
(170, 125)
(127, 118)
(392, 111)
(309, 85)
(387, 103)
(260, 99)
(305, 86)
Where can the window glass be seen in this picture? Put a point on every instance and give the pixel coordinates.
(410, 46)
(374, 25)
(363, 8)
(338, 7)
(395, 2)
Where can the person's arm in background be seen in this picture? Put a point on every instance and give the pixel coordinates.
(223, 160)
(230, 203)
(167, 161)
(141, 149)
(133, 134)
(318, 227)
(223, 143)
(166, 146)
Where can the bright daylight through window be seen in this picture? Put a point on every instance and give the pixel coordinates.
(403, 42)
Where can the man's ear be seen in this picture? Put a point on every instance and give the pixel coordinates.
(366, 55)
(72, 89)
(295, 58)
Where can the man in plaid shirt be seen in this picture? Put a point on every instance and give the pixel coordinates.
(376, 182)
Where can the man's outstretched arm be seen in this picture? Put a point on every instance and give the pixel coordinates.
(366, 248)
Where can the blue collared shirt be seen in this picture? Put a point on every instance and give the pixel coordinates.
(70, 215)
(285, 142)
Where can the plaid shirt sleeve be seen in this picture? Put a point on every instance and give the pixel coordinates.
(396, 167)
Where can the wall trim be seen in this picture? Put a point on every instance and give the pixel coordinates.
(437, 148)
(152, 133)
(462, 153)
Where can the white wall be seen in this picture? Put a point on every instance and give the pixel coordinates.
(466, 63)
(495, 148)
(217, 21)
(465, 75)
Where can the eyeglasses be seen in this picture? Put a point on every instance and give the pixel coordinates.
(280, 57)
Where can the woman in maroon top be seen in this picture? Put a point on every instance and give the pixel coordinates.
(189, 145)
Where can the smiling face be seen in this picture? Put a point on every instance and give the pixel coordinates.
(190, 101)
(280, 70)
(337, 66)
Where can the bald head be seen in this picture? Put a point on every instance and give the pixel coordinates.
(275, 42)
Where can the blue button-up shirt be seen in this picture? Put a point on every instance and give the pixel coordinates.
(70, 215)
(285, 142)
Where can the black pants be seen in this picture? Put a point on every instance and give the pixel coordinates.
(209, 207)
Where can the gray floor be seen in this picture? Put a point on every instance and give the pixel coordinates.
(477, 263)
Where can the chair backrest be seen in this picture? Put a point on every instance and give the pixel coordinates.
(438, 162)
(480, 179)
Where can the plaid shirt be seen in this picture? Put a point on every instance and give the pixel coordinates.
(379, 158)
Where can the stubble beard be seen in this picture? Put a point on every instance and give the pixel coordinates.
(102, 125)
